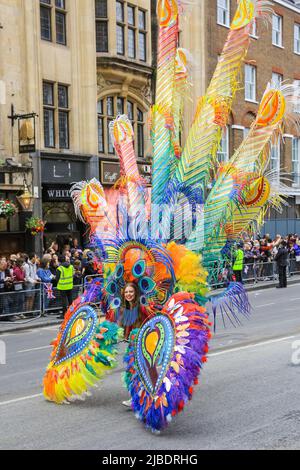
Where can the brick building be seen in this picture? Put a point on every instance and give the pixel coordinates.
(274, 54)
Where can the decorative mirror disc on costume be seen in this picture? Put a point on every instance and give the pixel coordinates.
(119, 271)
(147, 285)
(154, 349)
(78, 332)
(116, 303)
(112, 287)
(143, 300)
(139, 268)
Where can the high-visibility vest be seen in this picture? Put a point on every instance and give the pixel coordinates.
(238, 263)
(66, 278)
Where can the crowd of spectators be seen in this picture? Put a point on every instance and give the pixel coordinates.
(23, 274)
(265, 249)
(259, 261)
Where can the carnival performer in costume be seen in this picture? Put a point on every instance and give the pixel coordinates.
(131, 312)
(138, 249)
(131, 316)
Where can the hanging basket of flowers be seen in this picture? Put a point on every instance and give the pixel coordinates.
(7, 209)
(35, 225)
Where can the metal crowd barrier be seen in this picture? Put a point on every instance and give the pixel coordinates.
(55, 305)
(33, 303)
(221, 273)
(20, 304)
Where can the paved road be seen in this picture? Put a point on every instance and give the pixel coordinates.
(248, 396)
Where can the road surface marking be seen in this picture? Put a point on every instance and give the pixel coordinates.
(251, 346)
(20, 399)
(35, 349)
(264, 305)
(18, 333)
(296, 298)
(209, 355)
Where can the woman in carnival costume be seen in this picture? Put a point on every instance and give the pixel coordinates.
(167, 350)
(131, 315)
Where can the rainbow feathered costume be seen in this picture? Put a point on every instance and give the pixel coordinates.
(165, 355)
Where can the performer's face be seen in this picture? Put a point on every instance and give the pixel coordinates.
(129, 294)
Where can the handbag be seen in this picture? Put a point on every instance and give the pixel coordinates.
(298, 258)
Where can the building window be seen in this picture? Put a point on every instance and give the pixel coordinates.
(131, 43)
(277, 79)
(275, 158)
(120, 40)
(63, 117)
(56, 110)
(100, 126)
(140, 134)
(250, 82)
(142, 36)
(101, 36)
(101, 25)
(120, 11)
(297, 105)
(131, 15)
(131, 31)
(297, 38)
(223, 152)
(223, 14)
(60, 28)
(120, 106)
(130, 112)
(277, 30)
(253, 31)
(246, 131)
(101, 8)
(296, 161)
(49, 109)
(120, 28)
(45, 18)
(57, 8)
(108, 108)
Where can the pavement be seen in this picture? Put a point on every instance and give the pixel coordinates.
(247, 397)
(50, 320)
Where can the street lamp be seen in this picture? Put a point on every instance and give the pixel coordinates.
(26, 200)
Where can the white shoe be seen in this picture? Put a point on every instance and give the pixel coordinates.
(127, 403)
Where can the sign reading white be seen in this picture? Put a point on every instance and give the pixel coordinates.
(58, 193)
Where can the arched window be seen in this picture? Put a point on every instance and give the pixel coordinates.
(108, 108)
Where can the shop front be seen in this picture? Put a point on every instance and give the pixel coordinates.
(57, 206)
(14, 237)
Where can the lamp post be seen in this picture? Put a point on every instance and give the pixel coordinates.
(26, 200)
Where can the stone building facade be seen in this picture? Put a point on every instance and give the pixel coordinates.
(124, 79)
(76, 65)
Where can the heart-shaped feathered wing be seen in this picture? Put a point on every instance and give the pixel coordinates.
(83, 351)
(164, 359)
